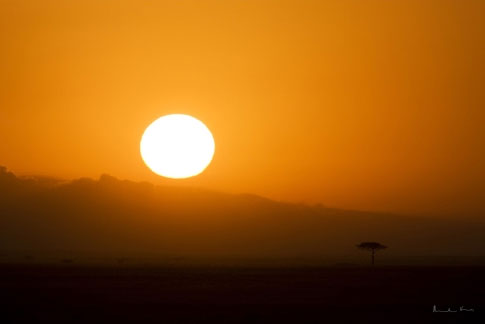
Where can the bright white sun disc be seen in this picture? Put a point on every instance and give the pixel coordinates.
(177, 146)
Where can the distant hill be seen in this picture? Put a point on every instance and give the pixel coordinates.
(110, 216)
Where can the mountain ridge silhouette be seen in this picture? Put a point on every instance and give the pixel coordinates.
(113, 216)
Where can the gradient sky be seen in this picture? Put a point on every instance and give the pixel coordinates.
(373, 105)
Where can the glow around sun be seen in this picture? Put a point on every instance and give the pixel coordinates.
(177, 146)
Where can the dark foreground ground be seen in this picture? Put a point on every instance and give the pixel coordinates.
(137, 294)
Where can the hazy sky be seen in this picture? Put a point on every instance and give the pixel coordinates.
(375, 105)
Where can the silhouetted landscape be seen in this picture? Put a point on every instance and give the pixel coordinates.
(113, 250)
(112, 218)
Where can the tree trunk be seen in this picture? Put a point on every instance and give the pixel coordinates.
(373, 252)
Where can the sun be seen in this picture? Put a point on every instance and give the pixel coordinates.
(177, 146)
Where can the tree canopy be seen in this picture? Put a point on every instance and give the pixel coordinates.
(371, 246)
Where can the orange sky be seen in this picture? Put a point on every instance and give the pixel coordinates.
(375, 105)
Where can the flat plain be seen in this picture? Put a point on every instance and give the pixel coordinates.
(229, 294)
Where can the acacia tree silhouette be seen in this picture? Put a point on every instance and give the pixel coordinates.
(373, 247)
